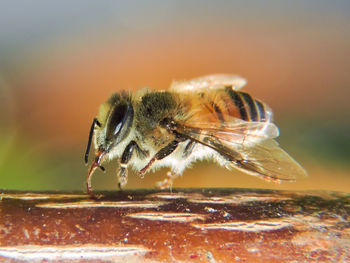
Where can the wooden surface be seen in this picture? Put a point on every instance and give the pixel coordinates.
(192, 225)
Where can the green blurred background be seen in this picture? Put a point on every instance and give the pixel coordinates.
(60, 59)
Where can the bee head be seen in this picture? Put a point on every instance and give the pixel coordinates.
(111, 126)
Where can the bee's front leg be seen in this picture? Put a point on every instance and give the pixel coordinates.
(126, 156)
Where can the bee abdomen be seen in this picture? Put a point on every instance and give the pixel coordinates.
(262, 111)
(249, 109)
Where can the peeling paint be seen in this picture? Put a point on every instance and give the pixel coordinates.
(254, 226)
(87, 252)
(164, 216)
(175, 195)
(238, 199)
(26, 233)
(38, 196)
(97, 204)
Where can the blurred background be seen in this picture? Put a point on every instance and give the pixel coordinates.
(59, 60)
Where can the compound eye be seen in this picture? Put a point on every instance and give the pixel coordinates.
(117, 120)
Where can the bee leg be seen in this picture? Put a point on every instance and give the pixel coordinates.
(122, 175)
(188, 149)
(126, 156)
(167, 182)
(162, 153)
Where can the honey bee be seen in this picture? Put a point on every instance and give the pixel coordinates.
(203, 118)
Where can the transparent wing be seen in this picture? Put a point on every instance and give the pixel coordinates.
(268, 161)
(216, 81)
(237, 132)
(250, 147)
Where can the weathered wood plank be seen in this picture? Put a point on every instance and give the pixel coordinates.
(196, 225)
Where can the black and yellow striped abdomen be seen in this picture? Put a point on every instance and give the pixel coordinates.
(222, 105)
(248, 108)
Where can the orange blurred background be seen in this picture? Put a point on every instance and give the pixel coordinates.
(60, 60)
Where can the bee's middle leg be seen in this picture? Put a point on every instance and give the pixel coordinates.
(172, 175)
(126, 156)
(162, 153)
